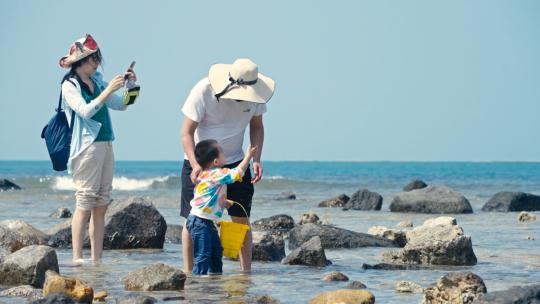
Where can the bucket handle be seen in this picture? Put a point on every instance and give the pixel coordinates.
(244, 209)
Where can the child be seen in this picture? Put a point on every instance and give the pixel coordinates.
(208, 203)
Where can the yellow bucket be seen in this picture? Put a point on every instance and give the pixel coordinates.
(232, 236)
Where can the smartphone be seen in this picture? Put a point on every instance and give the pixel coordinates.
(131, 66)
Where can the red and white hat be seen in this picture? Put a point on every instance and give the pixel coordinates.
(79, 49)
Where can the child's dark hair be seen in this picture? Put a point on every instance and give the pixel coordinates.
(206, 151)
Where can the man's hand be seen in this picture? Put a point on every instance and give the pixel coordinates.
(257, 171)
(195, 174)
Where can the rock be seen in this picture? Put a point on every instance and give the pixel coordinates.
(74, 288)
(397, 236)
(23, 291)
(311, 253)
(438, 241)
(405, 224)
(284, 196)
(100, 296)
(55, 298)
(386, 266)
(414, 184)
(28, 265)
(26, 234)
(8, 185)
(432, 199)
(356, 285)
(530, 238)
(513, 201)
(514, 295)
(455, 287)
(173, 234)
(309, 217)
(9, 241)
(279, 224)
(60, 235)
(333, 237)
(335, 276)
(364, 200)
(268, 247)
(408, 287)
(344, 296)
(134, 223)
(61, 212)
(136, 299)
(338, 201)
(266, 299)
(155, 277)
(526, 217)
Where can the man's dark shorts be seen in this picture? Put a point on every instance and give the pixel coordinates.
(241, 192)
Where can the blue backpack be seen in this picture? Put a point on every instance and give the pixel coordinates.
(57, 135)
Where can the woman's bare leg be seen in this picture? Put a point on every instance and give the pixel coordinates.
(96, 231)
(78, 227)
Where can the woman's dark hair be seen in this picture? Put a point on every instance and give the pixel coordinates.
(206, 151)
(72, 72)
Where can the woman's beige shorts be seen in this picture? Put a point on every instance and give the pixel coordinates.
(93, 172)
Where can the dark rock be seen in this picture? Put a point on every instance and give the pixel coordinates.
(56, 298)
(309, 217)
(266, 299)
(414, 184)
(268, 247)
(386, 266)
(61, 212)
(25, 233)
(333, 237)
(311, 253)
(285, 196)
(364, 200)
(455, 287)
(514, 295)
(8, 185)
(60, 235)
(432, 199)
(136, 299)
(28, 265)
(134, 223)
(338, 201)
(356, 285)
(513, 201)
(173, 234)
(279, 224)
(439, 241)
(335, 276)
(155, 277)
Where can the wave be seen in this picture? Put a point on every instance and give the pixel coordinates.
(120, 183)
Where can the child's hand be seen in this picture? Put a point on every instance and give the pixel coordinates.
(250, 151)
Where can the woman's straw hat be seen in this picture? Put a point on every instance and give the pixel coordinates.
(79, 49)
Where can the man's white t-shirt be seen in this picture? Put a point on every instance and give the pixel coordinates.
(224, 120)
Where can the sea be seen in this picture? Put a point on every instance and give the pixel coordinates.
(508, 251)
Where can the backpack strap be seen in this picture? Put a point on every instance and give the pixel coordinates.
(60, 105)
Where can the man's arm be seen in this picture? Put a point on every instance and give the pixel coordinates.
(256, 135)
(188, 131)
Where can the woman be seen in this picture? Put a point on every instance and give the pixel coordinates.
(91, 160)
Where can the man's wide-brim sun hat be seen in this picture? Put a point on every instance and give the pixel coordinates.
(241, 81)
(80, 49)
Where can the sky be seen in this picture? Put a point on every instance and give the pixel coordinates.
(355, 80)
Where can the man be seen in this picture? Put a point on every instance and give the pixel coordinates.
(220, 107)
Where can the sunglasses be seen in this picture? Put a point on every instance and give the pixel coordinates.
(88, 43)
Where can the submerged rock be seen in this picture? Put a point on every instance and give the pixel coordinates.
(266, 299)
(173, 234)
(268, 247)
(136, 299)
(432, 199)
(514, 295)
(386, 266)
(439, 241)
(74, 288)
(284, 196)
(25, 233)
(513, 201)
(408, 287)
(455, 287)
(526, 217)
(28, 265)
(364, 200)
(8, 185)
(397, 236)
(61, 212)
(335, 276)
(309, 217)
(338, 201)
(344, 296)
(56, 298)
(311, 253)
(414, 184)
(356, 285)
(23, 291)
(155, 277)
(333, 237)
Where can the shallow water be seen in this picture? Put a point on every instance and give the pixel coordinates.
(505, 256)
